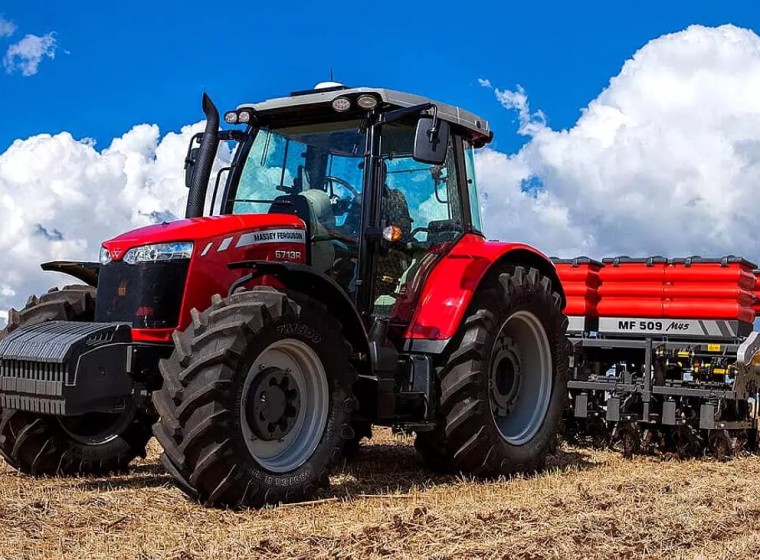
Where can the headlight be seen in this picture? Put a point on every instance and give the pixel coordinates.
(105, 256)
(159, 253)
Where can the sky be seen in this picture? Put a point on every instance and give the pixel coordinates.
(628, 127)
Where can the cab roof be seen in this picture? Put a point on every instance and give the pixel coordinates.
(477, 126)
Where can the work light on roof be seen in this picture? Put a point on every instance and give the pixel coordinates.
(231, 117)
(341, 104)
(244, 117)
(367, 102)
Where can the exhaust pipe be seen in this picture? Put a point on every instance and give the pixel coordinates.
(196, 198)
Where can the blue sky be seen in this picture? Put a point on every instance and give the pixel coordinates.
(119, 64)
(663, 161)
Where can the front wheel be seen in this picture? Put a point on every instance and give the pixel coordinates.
(95, 443)
(257, 400)
(503, 388)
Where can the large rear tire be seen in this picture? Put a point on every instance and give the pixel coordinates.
(257, 400)
(504, 385)
(96, 443)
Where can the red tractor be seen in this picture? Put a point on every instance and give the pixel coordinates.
(341, 280)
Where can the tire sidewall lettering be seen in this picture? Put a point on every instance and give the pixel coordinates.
(299, 329)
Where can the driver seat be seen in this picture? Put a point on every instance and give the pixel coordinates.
(314, 208)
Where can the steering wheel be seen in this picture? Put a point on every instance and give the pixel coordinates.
(417, 230)
(412, 243)
(342, 182)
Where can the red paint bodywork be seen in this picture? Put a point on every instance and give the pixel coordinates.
(437, 313)
(581, 280)
(703, 289)
(452, 283)
(208, 273)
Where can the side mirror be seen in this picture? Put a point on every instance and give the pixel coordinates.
(431, 140)
(190, 160)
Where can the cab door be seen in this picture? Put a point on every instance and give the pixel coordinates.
(423, 213)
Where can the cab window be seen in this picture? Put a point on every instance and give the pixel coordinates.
(472, 187)
(423, 202)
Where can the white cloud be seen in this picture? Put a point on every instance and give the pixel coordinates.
(61, 197)
(7, 28)
(27, 54)
(666, 160)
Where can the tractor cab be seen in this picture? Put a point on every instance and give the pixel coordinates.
(383, 180)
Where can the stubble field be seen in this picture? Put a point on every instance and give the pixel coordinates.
(384, 504)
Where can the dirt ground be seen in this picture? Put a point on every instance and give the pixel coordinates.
(383, 504)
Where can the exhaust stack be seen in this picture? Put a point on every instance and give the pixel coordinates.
(196, 198)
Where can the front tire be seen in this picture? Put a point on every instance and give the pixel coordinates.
(503, 389)
(95, 443)
(257, 400)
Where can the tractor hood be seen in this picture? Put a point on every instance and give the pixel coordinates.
(198, 229)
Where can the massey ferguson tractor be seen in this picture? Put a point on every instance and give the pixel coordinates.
(338, 278)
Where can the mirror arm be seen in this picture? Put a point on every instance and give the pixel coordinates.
(234, 135)
(197, 137)
(393, 116)
(433, 132)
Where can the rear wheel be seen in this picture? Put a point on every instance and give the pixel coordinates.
(503, 387)
(95, 443)
(257, 400)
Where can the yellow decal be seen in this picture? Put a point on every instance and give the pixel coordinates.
(713, 347)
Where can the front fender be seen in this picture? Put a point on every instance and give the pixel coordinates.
(304, 279)
(452, 283)
(87, 272)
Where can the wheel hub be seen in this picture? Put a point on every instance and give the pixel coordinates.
(506, 377)
(273, 404)
(520, 377)
(97, 428)
(285, 404)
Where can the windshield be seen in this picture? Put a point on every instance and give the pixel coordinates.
(290, 161)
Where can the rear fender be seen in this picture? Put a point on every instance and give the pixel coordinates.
(455, 279)
(304, 279)
(87, 272)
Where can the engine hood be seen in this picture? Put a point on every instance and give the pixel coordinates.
(197, 229)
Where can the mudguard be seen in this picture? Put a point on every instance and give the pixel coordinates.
(455, 279)
(87, 272)
(304, 279)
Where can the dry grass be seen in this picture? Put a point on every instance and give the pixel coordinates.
(591, 505)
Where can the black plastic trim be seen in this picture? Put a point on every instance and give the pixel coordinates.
(426, 346)
(87, 272)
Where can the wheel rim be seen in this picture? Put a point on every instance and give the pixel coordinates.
(96, 428)
(285, 404)
(520, 378)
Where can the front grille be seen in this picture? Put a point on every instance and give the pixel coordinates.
(145, 295)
